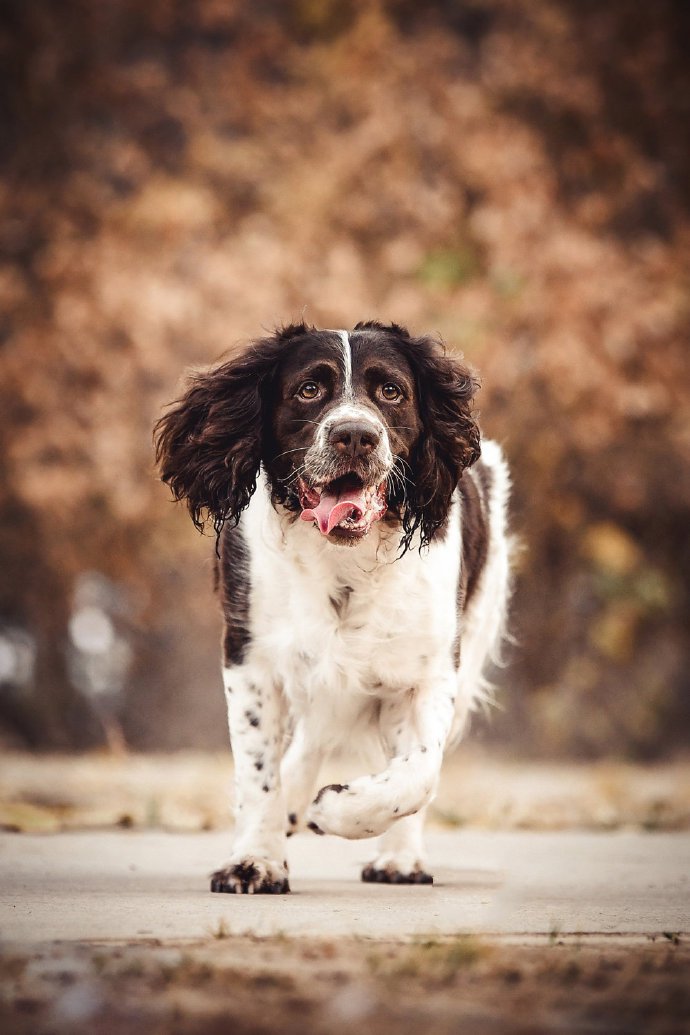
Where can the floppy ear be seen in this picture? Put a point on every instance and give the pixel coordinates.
(209, 444)
(449, 442)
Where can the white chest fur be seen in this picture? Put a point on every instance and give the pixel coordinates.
(338, 628)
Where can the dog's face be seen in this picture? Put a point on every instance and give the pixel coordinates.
(345, 420)
(350, 426)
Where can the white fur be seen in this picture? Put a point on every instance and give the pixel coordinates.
(348, 391)
(376, 670)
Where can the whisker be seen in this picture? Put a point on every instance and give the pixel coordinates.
(286, 451)
(401, 473)
(294, 474)
(397, 479)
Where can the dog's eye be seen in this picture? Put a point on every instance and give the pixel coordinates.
(390, 392)
(308, 390)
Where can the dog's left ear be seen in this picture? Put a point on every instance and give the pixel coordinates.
(209, 444)
(450, 441)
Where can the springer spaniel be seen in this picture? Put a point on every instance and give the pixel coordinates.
(363, 574)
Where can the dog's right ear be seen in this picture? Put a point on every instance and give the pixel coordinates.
(209, 444)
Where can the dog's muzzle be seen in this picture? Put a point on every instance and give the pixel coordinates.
(343, 490)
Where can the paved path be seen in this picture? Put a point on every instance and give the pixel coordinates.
(132, 885)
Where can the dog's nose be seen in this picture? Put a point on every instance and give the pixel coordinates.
(354, 438)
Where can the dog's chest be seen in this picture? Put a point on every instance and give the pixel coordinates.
(352, 634)
(339, 628)
(357, 639)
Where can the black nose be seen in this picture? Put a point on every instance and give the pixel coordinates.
(353, 438)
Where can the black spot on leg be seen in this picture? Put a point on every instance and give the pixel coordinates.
(252, 719)
(423, 749)
(258, 765)
(265, 788)
(396, 810)
(292, 818)
(337, 787)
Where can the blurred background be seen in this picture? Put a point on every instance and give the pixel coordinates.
(179, 176)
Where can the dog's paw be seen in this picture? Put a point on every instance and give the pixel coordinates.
(400, 867)
(252, 876)
(334, 811)
(391, 875)
(350, 810)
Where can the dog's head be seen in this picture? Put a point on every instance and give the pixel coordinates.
(350, 427)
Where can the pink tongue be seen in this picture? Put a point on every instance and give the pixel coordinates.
(332, 509)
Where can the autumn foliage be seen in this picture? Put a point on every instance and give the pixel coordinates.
(176, 177)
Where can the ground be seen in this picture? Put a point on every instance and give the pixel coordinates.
(560, 903)
(238, 985)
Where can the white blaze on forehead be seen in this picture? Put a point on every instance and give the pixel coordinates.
(347, 363)
(348, 408)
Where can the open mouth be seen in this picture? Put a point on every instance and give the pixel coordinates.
(345, 507)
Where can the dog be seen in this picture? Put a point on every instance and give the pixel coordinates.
(363, 571)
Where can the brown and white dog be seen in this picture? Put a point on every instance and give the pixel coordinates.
(363, 572)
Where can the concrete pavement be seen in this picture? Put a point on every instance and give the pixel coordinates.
(141, 885)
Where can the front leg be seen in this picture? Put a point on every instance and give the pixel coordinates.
(414, 730)
(257, 864)
(299, 772)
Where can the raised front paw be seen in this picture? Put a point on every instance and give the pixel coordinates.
(353, 810)
(333, 811)
(252, 876)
